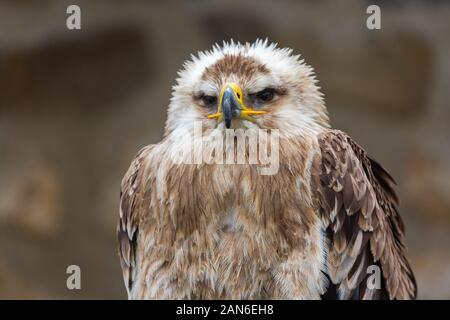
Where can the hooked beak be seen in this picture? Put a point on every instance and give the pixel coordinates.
(231, 106)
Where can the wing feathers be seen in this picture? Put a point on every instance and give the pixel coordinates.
(131, 196)
(361, 210)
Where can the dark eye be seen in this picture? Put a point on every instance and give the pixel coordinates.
(265, 95)
(209, 101)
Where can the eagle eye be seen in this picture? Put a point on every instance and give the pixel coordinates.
(265, 95)
(208, 101)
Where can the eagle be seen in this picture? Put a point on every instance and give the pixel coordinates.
(321, 227)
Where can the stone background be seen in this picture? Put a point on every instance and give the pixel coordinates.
(75, 106)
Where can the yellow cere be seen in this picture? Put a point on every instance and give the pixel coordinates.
(245, 113)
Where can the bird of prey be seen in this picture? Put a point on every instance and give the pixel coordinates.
(319, 228)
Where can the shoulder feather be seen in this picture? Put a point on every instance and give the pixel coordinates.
(360, 208)
(132, 196)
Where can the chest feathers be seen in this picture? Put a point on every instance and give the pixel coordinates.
(226, 231)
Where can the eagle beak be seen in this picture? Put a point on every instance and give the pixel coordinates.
(231, 106)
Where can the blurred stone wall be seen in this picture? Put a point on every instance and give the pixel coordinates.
(75, 106)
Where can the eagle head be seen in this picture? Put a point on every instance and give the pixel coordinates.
(251, 85)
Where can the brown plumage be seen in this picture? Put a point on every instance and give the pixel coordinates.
(310, 231)
(360, 208)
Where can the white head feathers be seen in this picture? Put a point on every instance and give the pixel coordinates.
(302, 111)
